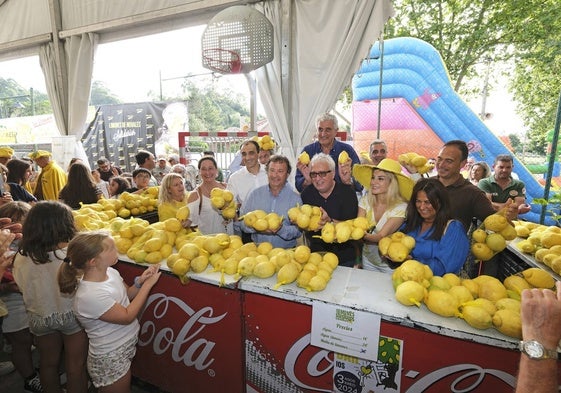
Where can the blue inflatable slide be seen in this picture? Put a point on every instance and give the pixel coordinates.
(414, 72)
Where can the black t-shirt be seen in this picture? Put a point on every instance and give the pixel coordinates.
(340, 205)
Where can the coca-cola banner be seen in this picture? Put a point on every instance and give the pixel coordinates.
(280, 358)
(119, 131)
(190, 336)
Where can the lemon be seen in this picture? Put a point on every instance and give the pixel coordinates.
(441, 303)
(304, 278)
(461, 293)
(315, 258)
(410, 293)
(508, 322)
(180, 267)
(264, 269)
(264, 248)
(331, 259)
(260, 225)
(246, 266)
(538, 278)
(182, 213)
(317, 283)
(302, 254)
(481, 251)
(172, 224)
(287, 274)
(496, 242)
(479, 235)
(189, 251)
(476, 317)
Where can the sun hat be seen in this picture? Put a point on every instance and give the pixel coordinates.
(39, 153)
(363, 174)
(6, 152)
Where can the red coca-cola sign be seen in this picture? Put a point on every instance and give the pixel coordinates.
(190, 336)
(431, 362)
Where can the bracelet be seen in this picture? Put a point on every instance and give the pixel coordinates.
(137, 282)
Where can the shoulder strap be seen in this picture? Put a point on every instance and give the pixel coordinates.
(200, 199)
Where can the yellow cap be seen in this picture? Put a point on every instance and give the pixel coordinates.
(39, 153)
(6, 151)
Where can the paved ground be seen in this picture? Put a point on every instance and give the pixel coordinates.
(13, 382)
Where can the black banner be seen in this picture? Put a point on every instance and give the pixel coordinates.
(119, 131)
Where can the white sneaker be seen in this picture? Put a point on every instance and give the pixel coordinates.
(6, 368)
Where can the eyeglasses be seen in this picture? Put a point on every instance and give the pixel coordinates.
(383, 151)
(321, 174)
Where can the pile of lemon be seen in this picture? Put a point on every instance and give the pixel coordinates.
(483, 302)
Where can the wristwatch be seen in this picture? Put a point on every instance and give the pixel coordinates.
(536, 350)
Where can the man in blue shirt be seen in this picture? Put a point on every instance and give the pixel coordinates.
(327, 127)
(277, 196)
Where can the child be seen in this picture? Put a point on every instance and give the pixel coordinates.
(15, 326)
(47, 229)
(105, 306)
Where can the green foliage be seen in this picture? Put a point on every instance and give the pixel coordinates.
(17, 101)
(101, 95)
(468, 33)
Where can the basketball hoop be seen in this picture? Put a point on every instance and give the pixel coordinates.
(238, 39)
(222, 60)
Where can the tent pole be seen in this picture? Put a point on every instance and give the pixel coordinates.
(380, 86)
(552, 156)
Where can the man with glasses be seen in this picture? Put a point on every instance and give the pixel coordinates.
(327, 127)
(107, 170)
(378, 151)
(277, 196)
(338, 203)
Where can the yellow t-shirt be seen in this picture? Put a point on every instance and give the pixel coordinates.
(168, 209)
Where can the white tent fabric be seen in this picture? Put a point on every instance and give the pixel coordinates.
(70, 96)
(319, 44)
(330, 38)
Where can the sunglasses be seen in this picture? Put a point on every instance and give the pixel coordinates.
(321, 174)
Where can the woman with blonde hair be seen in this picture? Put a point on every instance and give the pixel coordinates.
(384, 206)
(172, 196)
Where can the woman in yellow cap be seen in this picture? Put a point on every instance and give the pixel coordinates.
(384, 205)
(6, 154)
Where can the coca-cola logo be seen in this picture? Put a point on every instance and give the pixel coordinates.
(184, 345)
(301, 356)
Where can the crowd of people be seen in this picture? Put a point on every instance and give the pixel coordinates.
(63, 295)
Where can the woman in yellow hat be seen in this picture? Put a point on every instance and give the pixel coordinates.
(384, 205)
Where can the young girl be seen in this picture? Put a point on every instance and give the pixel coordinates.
(105, 306)
(47, 229)
(15, 326)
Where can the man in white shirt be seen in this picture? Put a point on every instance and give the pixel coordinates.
(248, 177)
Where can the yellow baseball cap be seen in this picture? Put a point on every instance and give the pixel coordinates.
(6, 151)
(39, 153)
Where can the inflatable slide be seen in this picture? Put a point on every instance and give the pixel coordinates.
(419, 109)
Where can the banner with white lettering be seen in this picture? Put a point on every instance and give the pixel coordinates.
(119, 131)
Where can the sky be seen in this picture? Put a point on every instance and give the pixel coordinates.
(133, 68)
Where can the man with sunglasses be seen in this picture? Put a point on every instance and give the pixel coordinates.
(337, 201)
(327, 127)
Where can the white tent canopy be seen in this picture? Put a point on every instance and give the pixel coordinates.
(318, 46)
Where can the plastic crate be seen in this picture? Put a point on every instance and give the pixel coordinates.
(510, 264)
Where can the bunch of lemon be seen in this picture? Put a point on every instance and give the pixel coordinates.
(223, 200)
(306, 217)
(397, 246)
(262, 221)
(491, 237)
(343, 231)
(415, 160)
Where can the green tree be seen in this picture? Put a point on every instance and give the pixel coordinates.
(101, 95)
(470, 33)
(536, 84)
(18, 101)
(210, 110)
